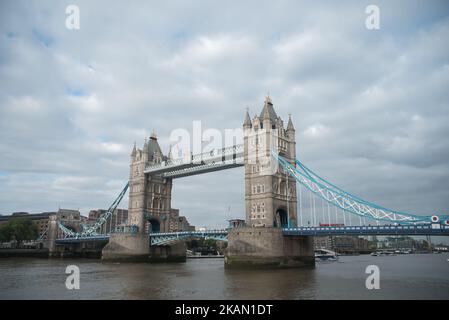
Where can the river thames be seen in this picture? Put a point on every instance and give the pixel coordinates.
(415, 276)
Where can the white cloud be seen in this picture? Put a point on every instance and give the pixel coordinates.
(370, 108)
(316, 131)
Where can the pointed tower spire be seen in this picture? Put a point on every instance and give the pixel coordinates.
(290, 126)
(266, 108)
(268, 111)
(153, 135)
(268, 99)
(133, 153)
(247, 123)
(170, 155)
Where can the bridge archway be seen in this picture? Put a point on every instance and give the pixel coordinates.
(281, 218)
(154, 225)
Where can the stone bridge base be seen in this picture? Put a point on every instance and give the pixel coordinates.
(268, 247)
(87, 249)
(173, 253)
(136, 248)
(127, 247)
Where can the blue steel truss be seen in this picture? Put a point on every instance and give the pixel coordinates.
(98, 238)
(92, 230)
(348, 202)
(214, 160)
(305, 176)
(409, 230)
(166, 238)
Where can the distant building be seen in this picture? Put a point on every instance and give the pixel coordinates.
(68, 217)
(40, 219)
(118, 217)
(350, 244)
(326, 242)
(237, 223)
(178, 223)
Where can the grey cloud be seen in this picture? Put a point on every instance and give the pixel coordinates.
(370, 108)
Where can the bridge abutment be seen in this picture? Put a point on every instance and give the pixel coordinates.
(136, 248)
(268, 248)
(172, 253)
(127, 247)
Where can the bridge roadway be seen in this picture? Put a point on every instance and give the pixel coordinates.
(214, 160)
(164, 238)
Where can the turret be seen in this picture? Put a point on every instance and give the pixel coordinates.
(268, 115)
(291, 137)
(290, 127)
(247, 123)
(134, 152)
(170, 155)
(153, 150)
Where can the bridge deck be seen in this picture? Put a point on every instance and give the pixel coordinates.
(214, 160)
(368, 230)
(169, 237)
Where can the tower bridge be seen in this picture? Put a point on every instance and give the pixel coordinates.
(272, 234)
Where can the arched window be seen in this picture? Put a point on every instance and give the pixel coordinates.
(283, 189)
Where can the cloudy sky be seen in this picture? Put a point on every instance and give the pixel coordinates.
(371, 107)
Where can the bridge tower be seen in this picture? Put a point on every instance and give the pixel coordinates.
(270, 193)
(149, 195)
(270, 198)
(149, 210)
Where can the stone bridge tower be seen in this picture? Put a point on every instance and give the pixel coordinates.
(270, 194)
(270, 199)
(149, 211)
(149, 195)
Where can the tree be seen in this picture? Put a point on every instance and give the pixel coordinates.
(426, 245)
(4, 236)
(210, 243)
(19, 229)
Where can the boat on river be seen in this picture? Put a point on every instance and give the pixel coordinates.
(325, 255)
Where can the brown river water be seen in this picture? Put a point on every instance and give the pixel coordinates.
(415, 276)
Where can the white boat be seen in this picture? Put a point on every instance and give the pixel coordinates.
(324, 254)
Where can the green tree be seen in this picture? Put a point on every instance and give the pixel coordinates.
(426, 245)
(210, 243)
(19, 229)
(4, 236)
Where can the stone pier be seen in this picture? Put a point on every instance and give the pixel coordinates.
(136, 248)
(268, 247)
(270, 198)
(127, 247)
